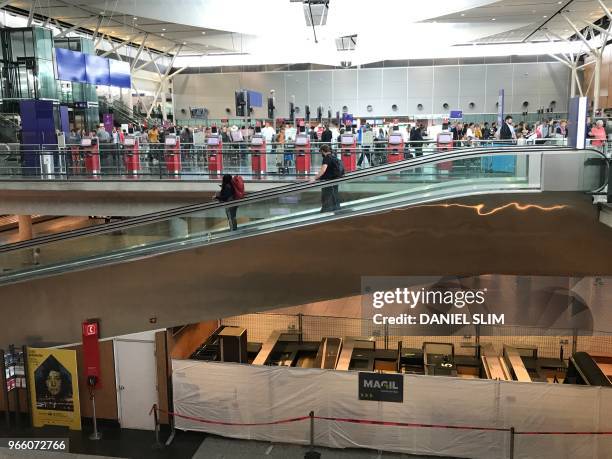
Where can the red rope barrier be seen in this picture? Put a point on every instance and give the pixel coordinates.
(408, 424)
(370, 422)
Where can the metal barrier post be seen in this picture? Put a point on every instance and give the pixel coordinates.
(311, 453)
(157, 444)
(511, 442)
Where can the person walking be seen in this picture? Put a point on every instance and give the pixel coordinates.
(332, 168)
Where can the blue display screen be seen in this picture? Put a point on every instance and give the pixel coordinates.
(255, 99)
(97, 70)
(456, 114)
(120, 74)
(70, 65)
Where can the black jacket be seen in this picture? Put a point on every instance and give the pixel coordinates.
(226, 193)
(327, 135)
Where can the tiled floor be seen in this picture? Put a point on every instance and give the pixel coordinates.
(139, 444)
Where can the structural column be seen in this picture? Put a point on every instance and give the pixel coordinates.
(25, 227)
(597, 83)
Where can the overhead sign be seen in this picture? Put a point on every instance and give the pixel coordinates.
(456, 114)
(53, 382)
(381, 387)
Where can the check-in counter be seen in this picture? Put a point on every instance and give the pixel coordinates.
(287, 349)
(514, 360)
(494, 366)
(583, 370)
(439, 359)
(328, 353)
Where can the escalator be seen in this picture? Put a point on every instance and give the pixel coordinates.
(464, 212)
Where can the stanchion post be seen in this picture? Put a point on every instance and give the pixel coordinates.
(511, 442)
(157, 444)
(311, 453)
(95, 435)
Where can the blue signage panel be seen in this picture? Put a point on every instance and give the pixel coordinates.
(70, 65)
(255, 99)
(120, 74)
(456, 114)
(97, 70)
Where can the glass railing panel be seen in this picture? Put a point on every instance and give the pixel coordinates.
(432, 179)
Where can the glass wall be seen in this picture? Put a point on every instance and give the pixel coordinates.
(27, 61)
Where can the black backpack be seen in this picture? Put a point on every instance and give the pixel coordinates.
(338, 167)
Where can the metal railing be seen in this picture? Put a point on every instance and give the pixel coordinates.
(156, 161)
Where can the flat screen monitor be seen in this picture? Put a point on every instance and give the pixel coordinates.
(212, 141)
(129, 141)
(171, 141)
(119, 74)
(395, 139)
(301, 140)
(347, 139)
(86, 142)
(257, 141)
(70, 65)
(97, 70)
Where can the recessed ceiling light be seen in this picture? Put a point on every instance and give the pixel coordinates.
(544, 16)
(203, 33)
(462, 14)
(492, 19)
(559, 3)
(162, 34)
(163, 30)
(184, 42)
(135, 18)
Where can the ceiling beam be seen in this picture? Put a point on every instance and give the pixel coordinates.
(95, 34)
(31, 14)
(119, 45)
(156, 58)
(142, 44)
(582, 37)
(533, 32)
(79, 24)
(606, 10)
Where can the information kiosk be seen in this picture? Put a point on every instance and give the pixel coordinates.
(130, 154)
(258, 154)
(172, 154)
(348, 149)
(395, 147)
(302, 152)
(214, 149)
(90, 150)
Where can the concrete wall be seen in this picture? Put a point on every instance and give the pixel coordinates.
(431, 86)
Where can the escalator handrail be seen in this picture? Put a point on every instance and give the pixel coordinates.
(290, 188)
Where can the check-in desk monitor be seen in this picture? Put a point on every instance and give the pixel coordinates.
(212, 141)
(445, 137)
(347, 139)
(301, 140)
(129, 141)
(257, 141)
(170, 141)
(395, 139)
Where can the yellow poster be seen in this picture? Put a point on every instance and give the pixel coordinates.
(54, 387)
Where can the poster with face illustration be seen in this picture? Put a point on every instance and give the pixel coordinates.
(54, 388)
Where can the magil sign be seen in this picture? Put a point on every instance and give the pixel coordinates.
(381, 387)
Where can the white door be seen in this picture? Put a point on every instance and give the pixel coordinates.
(136, 383)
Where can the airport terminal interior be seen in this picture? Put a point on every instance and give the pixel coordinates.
(305, 229)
